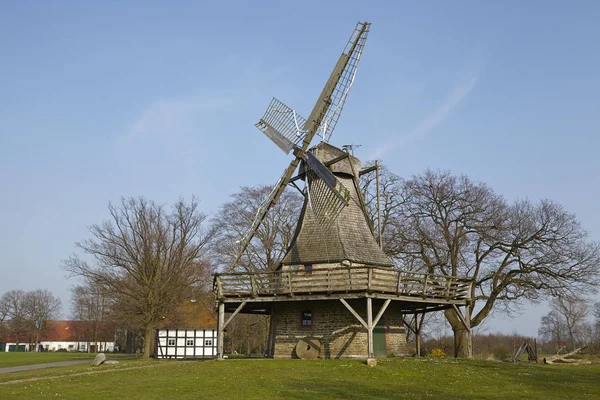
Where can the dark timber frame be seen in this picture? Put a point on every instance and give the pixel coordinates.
(415, 294)
(162, 351)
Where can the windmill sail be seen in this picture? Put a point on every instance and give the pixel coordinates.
(328, 109)
(327, 195)
(289, 131)
(283, 125)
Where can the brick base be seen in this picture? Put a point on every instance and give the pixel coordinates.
(341, 335)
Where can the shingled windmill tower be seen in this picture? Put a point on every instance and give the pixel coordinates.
(336, 294)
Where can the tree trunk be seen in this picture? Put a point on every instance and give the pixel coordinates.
(147, 341)
(460, 343)
(460, 335)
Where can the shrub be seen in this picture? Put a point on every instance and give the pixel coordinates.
(437, 353)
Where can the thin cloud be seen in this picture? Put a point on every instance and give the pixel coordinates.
(172, 117)
(458, 93)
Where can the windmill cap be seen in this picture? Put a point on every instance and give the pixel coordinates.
(341, 162)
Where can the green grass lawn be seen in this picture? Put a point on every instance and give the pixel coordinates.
(28, 358)
(321, 379)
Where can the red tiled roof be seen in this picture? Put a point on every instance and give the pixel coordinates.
(72, 331)
(69, 331)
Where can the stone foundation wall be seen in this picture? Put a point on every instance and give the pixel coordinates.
(341, 335)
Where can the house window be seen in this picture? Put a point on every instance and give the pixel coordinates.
(308, 269)
(171, 342)
(306, 320)
(208, 342)
(189, 342)
(71, 346)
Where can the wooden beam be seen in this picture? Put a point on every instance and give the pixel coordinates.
(359, 294)
(220, 330)
(370, 327)
(349, 307)
(366, 170)
(378, 206)
(237, 310)
(381, 311)
(418, 327)
(461, 317)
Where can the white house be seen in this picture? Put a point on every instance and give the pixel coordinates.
(186, 343)
(68, 336)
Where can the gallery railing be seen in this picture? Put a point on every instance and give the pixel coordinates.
(342, 280)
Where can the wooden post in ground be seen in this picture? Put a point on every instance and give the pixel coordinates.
(271, 341)
(418, 335)
(220, 330)
(468, 321)
(370, 327)
(469, 332)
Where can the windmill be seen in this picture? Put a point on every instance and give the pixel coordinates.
(293, 134)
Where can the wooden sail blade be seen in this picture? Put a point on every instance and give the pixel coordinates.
(325, 203)
(329, 180)
(329, 106)
(327, 196)
(283, 125)
(264, 207)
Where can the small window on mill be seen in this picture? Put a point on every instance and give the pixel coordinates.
(307, 320)
(308, 269)
(171, 342)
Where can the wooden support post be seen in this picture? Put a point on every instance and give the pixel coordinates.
(272, 333)
(425, 283)
(418, 326)
(289, 275)
(381, 311)
(378, 206)
(358, 317)
(469, 332)
(399, 283)
(370, 327)
(237, 310)
(219, 287)
(220, 330)
(468, 321)
(253, 283)
(369, 277)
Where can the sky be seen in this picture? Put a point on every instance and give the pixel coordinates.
(100, 100)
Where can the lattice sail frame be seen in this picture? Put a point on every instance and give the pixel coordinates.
(325, 204)
(354, 47)
(283, 125)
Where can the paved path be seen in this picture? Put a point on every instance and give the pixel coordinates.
(31, 367)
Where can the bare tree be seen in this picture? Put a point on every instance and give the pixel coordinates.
(91, 308)
(145, 259)
(272, 239)
(391, 202)
(264, 253)
(4, 314)
(16, 314)
(553, 329)
(572, 311)
(452, 226)
(40, 306)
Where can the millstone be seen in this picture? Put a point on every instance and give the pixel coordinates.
(308, 348)
(100, 358)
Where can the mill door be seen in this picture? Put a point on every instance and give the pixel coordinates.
(379, 345)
